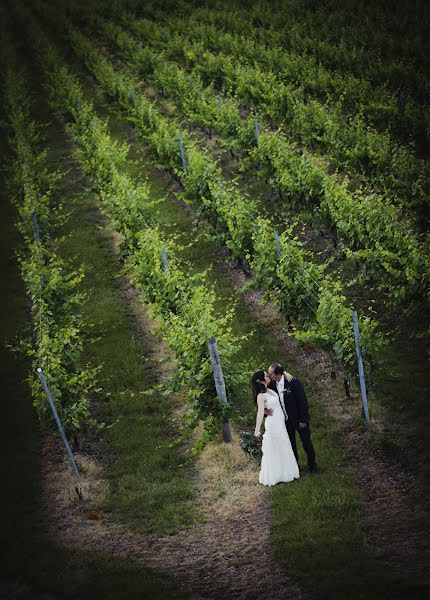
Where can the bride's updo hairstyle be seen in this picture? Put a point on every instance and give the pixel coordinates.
(258, 384)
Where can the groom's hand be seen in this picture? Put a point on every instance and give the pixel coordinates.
(268, 411)
(302, 425)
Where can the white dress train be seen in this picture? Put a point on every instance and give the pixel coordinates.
(278, 462)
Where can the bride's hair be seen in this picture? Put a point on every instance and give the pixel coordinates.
(258, 384)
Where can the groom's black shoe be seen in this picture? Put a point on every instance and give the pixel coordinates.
(313, 469)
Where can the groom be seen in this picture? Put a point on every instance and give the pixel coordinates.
(291, 391)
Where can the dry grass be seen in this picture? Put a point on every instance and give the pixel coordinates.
(227, 480)
(70, 492)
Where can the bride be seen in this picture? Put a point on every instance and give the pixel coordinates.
(278, 462)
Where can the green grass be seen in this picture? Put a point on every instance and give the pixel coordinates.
(317, 532)
(401, 394)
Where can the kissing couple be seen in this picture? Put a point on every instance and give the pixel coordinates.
(281, 398)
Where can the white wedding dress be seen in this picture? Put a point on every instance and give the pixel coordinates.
(278, 462)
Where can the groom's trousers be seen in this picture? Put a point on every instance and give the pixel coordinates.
(305, 436)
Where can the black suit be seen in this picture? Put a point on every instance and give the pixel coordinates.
(297, 409)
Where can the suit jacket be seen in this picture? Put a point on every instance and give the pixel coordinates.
(295, 401)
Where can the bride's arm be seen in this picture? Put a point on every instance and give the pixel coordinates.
(288, 376)
(260, 414)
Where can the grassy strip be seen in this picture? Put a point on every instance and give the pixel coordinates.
(401, 393)
(316, 534)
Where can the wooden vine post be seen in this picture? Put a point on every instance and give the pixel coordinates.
(360, 367)
(219, 384)
(182, 151)
(57, 420)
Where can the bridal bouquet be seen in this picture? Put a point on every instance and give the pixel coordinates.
(250, 444)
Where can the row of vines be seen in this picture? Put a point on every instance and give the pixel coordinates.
(58, 331)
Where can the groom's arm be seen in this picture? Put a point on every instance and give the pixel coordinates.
(302, 402)
(288, 376)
